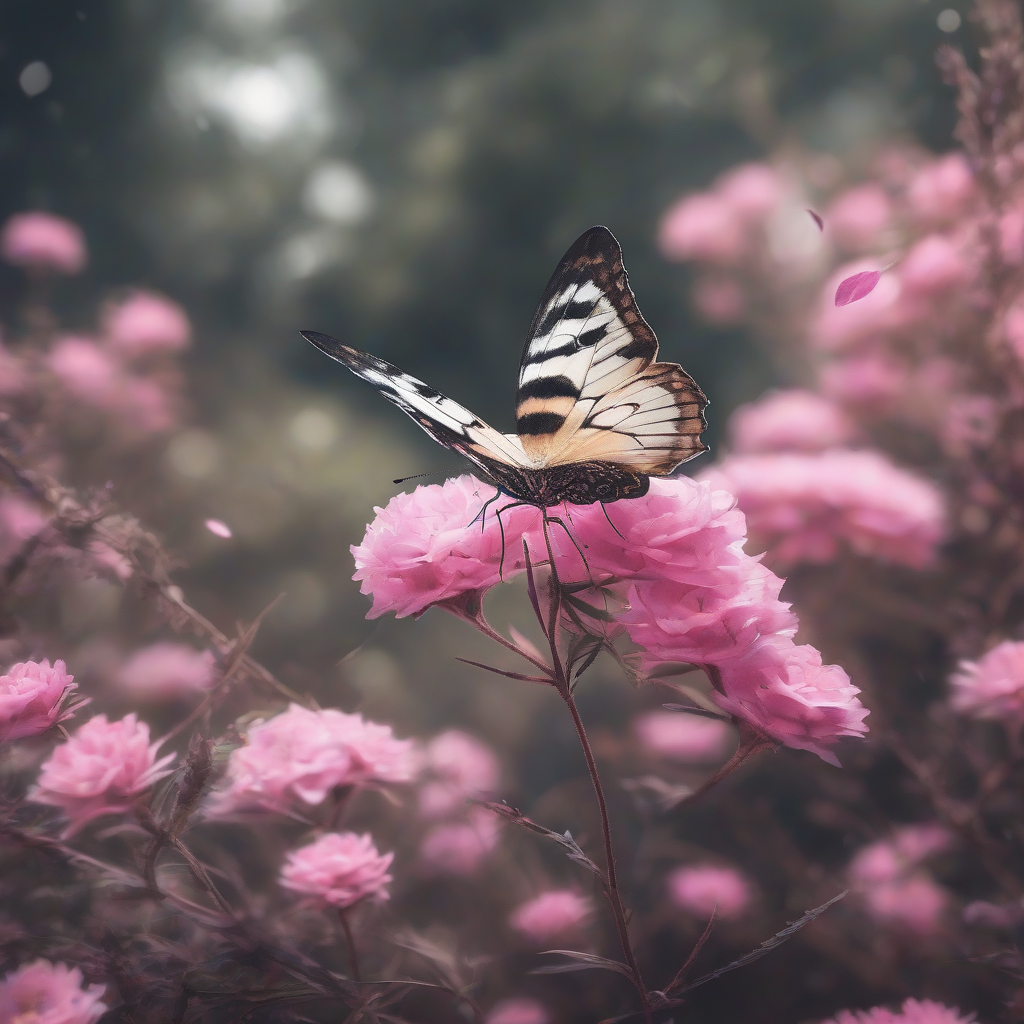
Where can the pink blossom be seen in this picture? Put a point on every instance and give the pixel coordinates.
(704, 227)
(339, 869)
(43, 241)
(301, 755)
(933, 266)
(45, 993)
(168, 670)
(146, 403)
(993, 686)
(551, 914)
(33, 697)
(789, 420)
(682, 737)
(425, 548)
(866, 380)
(913, 904)
(858, 218)
(518, 1011)
(461, 768)
(804, 508)
(460, 848)
(86, 371)
(719, 300)
(839, 327)
(752, 191)
(146, 322)
(890, 859)
(104, 768)
(942, 190)
(20, 521)
(914, 1011)
(703, 889)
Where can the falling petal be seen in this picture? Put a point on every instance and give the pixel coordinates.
(219, 529)
(857, 286)
(817, 220)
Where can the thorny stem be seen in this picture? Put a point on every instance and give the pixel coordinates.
(350, 944)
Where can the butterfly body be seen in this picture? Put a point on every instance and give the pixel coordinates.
(596, 416)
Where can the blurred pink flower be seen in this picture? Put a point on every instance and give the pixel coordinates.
(970, 421)
(425, 548)
(701, 888)
(789, 420)
(87, 371)
(682, 737)
(942, 190)
(460, 848)
(866, 380)
(32, 698)
(45, 993)
(805, 508)
(146, 322)
(168, 670)
(551, 914)
(993, 686)
(339, 869)
(706, 227)
(914, 904)
(43, 241)
(719, 300)
(301, 755)
(914, 1011)
(20, 520)
(932, 267)
(104, 768)
(146, 403)
(752, 191)
(857, 219)
(518, 1011)
(890, 859)
(460, 768)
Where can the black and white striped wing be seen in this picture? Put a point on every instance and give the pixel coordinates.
(589, 388)
(447, 422)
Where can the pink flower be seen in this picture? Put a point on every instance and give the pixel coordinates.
(146, 322)
(168, 670)
(32, 698)
(682, 737)
(752, 191)
(720, 300)
(46, 993)
(804, 508)
(993, 686)
(461, 768)
(857, 219)
(914, 904)
(914, 1011)
(942, 190)
(789, 420)
(146, 404)
(86, 371)
(703, 227)
(103, 769)
(701, 888)
(43, 241)
(866, 380)
(425, 548)
(20, 521)
(459, 849)
(339, 869)
(971, 421)
(551, 914)
(932, 267)
(518, 1011)
(301, 755)
(890, 859)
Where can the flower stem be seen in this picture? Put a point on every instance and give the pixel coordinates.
(350, 944)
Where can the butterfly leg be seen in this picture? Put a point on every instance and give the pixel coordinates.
(482, 514)
(559, 522)
(501, 527)
(604, 509)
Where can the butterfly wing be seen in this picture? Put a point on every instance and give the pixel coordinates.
(447, 422)
(589, 388)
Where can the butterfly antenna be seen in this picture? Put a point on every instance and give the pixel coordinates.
(415, 476)
(609, 518)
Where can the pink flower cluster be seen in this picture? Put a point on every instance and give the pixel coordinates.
(518, 1011)
(45, 993)
(682, 737)
(461, 846)
(168, 670)
(339, 869)
(300, 755)
(458, 768)
(795, 420)
(44, 242)
(551, 914)
(703, 889)
(913, 1011)
(33, 698)
(104, 768)
(993, 686)
(676, 555)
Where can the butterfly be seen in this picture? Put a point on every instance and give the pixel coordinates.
(596, 415)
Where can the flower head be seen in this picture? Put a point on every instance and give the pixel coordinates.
(682, 737)
(460, 848)
(339, 869)
(461, 768)
(551, 914)
(789, 421)
(168, 670)
(86, 371)
(43, 241)
(913, 1011)
(702, 888)
(104, 768)
(45, 993)
(20, 520)
(33, 697)
(146, 322)
(859, 216)
(518, 1011)
(993, 686)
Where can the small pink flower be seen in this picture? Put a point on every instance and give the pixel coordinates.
(86, 371)
(932, 267)
(889, 859)
(913, 904)
(518, 1011)
(20, 521)
(461, 768)
(703, 227)
(702, 888)
(914, 1011)
(146, 322)
(789, 421)
(33, 697)
(45, 993)
(301, 755)
(867, 380)
(339, 869)
(460, 849)
(104, 768)
(43, 241)
(753, 191)
(993, 686)
(551, 914)
(942, 190)
(682, 737)
(719, 300)
(857, 219)
(168, 670)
